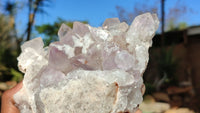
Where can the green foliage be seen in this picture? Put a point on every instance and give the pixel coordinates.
(50, 30)
(9, 49)
(17, 76)
(150, 88)
(4, 29)
(171, 25)
(176, 27)
(7, 74)
(4, 73)
(10, 8)
(167, 65)
(182, 25)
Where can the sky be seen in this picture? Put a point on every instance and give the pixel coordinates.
(96, 11)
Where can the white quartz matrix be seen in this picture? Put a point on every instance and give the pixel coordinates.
(89, 70)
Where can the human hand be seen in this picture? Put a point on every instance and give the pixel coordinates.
(138, 111)
(8, 104)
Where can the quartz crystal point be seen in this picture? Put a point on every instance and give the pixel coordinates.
(89, 70)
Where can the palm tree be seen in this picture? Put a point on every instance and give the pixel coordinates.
(10, 9)
(35, 6)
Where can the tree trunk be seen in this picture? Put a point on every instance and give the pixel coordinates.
(163, 22)
(31, 18)
(28, 30)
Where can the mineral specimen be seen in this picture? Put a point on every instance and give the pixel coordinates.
(89, 70)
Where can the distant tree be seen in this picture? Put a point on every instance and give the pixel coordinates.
(182, 25)
(175, 13)
(50, 30)
(138, 9)
(34, 7)
(170, 20)
(10, 9)
(4, 33)
(175, 16)
(8, 51)
(173, 27)
(9, 41)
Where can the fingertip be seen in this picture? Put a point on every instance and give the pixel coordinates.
(12, 91)
(7, 99)
(138, 111)
(143, 89)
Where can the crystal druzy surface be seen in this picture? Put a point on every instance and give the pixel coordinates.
(89, 70)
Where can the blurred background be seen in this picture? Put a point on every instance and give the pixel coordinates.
(172, 77)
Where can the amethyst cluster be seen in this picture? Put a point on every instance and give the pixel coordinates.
(89, 70)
